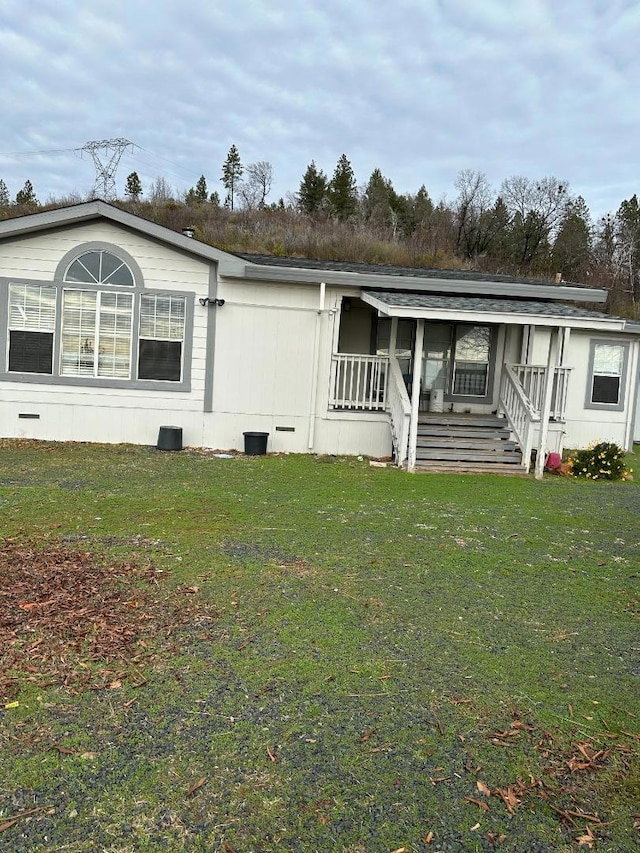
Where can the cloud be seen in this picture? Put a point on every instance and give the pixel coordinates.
(419, 89)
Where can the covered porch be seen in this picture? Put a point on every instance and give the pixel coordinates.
(466, 383)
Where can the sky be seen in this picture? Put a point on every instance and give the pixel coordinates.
(420, 89)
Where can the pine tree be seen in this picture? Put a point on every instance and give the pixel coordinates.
(627, 230)
(376, 201)
(573, 243)
(4, 194)
(343, 195)
(133, 187)
(201, 189)
(231, 175)
(312, 193)
(26, 196)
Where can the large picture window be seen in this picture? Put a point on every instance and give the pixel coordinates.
(96, 324)
(32, 320)
(96, 334)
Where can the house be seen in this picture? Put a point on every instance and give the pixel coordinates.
(112, 326)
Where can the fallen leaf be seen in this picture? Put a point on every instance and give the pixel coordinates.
(116, 685)
(196, 786)
(401, 850)
(483, 788)
(367, 735)
(428, 837)
(475, 826)
(63, 750)
(587, 839)
(272, 756)
(480, 803)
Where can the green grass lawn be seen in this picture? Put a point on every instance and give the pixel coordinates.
(356, 652)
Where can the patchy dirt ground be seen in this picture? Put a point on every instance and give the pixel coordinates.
(71, 618)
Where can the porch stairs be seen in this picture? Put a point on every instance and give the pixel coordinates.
(466, 443)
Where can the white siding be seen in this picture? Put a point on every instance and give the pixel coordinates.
(78, 413)
(162, 266)
(585, 425)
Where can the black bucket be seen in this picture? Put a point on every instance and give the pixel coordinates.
(255, 443)
(170, 438)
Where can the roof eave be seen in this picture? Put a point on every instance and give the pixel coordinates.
(613, 324)
(301, 275)
(92, 210)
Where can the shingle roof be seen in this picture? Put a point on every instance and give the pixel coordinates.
(389, 269)
(485, 305)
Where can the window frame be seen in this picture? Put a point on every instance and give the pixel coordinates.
(607, 407)
(56, 377)
(23, 328)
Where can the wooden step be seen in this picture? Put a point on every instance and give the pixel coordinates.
(461, 431)
(442, 466)
(451, 419)
(512, 457)
(447, 441)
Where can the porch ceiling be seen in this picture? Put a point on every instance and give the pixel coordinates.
(425, 306)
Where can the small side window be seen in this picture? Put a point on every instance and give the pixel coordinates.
(32, 320)
(161, 337)
(608, 362)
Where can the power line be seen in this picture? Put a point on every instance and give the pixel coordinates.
(38, 153)
(106, 154)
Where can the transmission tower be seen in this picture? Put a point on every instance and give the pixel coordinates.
(106, 154)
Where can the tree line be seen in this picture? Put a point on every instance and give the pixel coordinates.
(535, 228)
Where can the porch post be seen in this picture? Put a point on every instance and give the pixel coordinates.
(393, 337)
(552, 360)
(415, 394)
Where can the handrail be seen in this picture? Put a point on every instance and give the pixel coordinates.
(532, 377)
(358, 381)
(520, 412)
(400, 411)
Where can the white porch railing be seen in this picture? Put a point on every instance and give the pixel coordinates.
(531, 377)
(519, 410)
(400, 411)
(358, 382)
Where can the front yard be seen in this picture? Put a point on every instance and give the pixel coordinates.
(297, 653)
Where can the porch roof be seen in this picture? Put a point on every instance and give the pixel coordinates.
(522, 312)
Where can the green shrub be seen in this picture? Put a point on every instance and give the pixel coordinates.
(601, 461)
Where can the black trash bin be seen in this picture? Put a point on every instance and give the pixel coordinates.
(170, 438)
(255, 443)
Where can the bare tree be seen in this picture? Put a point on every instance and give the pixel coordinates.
(472, 210)
(257, 184)
(160, 191)
(536, 209)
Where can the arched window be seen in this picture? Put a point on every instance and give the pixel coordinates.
(99, 267)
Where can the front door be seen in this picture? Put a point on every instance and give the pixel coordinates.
(456, 366)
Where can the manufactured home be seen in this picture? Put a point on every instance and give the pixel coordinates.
(112, 326)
